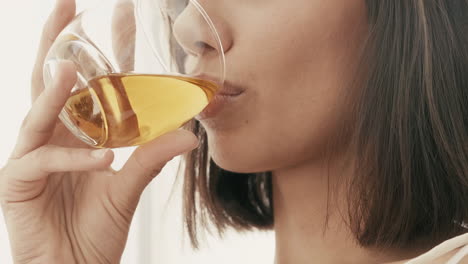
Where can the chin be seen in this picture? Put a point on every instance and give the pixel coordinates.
(228, 165)
(237, 158)
(238, 149)
(228, 160)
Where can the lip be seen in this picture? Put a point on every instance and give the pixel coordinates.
(228, 88)
(223, 97)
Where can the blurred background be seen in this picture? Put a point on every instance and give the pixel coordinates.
(156, 234)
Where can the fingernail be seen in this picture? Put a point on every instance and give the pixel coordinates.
(99, 154)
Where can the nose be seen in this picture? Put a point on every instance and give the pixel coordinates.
(195, 35)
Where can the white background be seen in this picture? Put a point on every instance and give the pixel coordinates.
(156, 234)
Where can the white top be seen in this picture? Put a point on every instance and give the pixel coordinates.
(459, 242)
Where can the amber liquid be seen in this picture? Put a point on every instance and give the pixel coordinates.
(121, 110)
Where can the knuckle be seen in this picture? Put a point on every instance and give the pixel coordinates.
(32, 123)
(55, 104)
(3, 193)
(41, 156)
(71, 156)
(7, 183)
(154, 172)
(125, 207)
(29, 129)
(119, 208)
(25, 121)
(150, 172)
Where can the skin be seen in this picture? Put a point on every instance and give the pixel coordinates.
(294, 78)
(294, 89)
(291, 104)
(61, 204)
(59, 201)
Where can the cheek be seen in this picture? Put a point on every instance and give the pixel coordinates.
(280, 139)
(302, 67)
(282, 130)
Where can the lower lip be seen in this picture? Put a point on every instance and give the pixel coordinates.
(215, 106)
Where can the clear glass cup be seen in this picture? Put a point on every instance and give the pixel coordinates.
(144, 68)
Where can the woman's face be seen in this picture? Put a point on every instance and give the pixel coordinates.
(292, 59)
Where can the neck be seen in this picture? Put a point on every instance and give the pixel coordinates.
(310, 220)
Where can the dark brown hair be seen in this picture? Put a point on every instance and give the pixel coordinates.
(409, 128)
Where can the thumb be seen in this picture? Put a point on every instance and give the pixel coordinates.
(146, 162)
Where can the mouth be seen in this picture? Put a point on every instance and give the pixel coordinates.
(228, 89)
(223, 97)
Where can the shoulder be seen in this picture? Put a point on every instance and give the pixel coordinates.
(451, 251)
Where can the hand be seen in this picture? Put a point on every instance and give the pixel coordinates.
(61, 201)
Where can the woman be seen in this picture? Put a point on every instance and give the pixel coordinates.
(347, 135)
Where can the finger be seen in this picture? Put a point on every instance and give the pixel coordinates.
(39, 124)
(147, 161)
(60, 17)
(25, 179)
(50, 159)
(123, 34)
